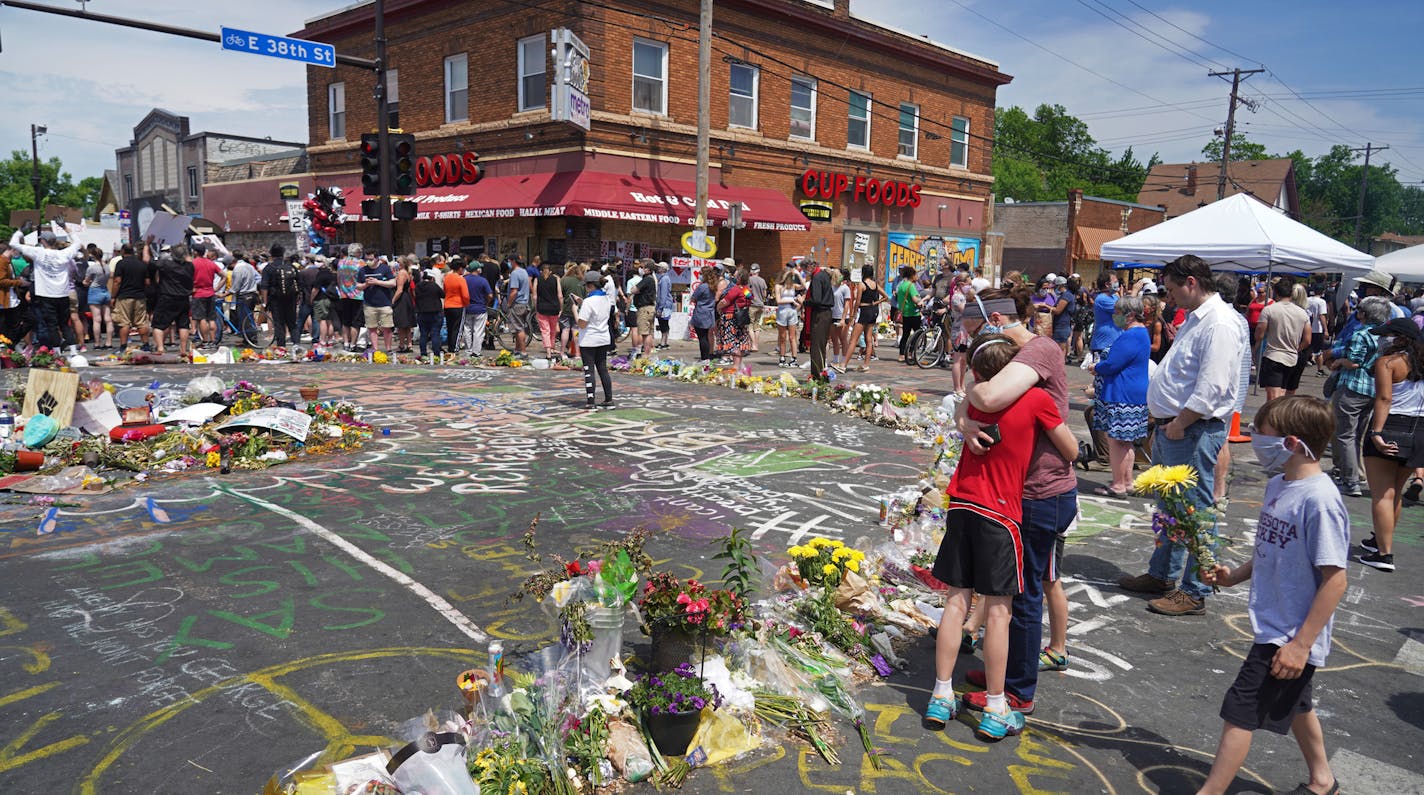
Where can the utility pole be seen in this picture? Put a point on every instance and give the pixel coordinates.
(383, 135)
(1236, 75)
(704, 102)
(1364, 186)
(36, 130)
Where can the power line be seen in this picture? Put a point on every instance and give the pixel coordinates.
(1193, 35)
(1157, 42)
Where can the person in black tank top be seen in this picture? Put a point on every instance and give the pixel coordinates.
(867, 315)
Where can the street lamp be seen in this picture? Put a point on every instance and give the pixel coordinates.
(36, 130)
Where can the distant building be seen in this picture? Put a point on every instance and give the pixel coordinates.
(1183, 187)
(166, 164)
(1066, 237)
(1388, 242)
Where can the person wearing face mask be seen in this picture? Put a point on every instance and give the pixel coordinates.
(1120, 394)
(1104, 331)
(1190, 398)
(1297, 573)
(1050, 496)
(1395, 445)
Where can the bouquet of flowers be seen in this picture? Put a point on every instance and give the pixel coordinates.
(681, 690)
(44, 356)
(823, 562)
(1178, 521)
(866, 396)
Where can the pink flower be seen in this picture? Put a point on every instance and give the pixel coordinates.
(683, 599)
(595, 566)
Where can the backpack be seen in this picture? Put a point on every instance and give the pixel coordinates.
(284, 282)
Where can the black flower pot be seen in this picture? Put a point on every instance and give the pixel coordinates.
(672, 732)
(671, 647)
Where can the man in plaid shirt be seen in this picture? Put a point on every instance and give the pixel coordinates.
(1354, 358)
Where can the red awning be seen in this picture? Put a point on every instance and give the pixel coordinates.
(599, 195)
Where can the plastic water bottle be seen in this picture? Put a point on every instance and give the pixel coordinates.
(7, 423)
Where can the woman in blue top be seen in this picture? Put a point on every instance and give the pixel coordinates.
(1104, 332)
(1120, 400)
(704, 315)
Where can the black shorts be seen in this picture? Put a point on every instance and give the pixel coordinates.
(1404, 431)
(1317, 341)
(203, 309)
(664, 325)
(981, 550)
(1280, 376)
(868, 316)
(351, 312)
(1257, 700)
(171, 312)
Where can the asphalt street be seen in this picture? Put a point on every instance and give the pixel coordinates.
(196, 633)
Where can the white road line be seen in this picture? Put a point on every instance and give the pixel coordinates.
(1112, 658)
(444, 608)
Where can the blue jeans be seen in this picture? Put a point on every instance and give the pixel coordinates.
(1043, 521)
(1199, 447)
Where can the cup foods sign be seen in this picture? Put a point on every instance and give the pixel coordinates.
(818, 184)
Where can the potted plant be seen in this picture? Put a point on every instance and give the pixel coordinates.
(679, 614)
(671, 704)
(20, 461)
(310, 391)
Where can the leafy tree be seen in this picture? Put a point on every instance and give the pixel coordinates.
(56, 187)
(1042, 156)
(1241, 149)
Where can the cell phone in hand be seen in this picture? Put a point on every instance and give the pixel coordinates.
(992, 431)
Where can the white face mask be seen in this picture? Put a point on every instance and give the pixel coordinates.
(1272, 452)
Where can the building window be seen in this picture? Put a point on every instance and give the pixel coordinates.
(336, 110)
(858, 130)
(192, 182)
(393, 98)
(909, 129)
(742, 106)
(457, 88)
(803, 108)
(531, 72)
(128, 188)
(959, 141)
(650, 76)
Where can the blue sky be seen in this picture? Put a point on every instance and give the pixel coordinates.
(90, 83)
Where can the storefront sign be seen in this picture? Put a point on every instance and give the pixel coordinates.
(818, 184)
(816, 210)
(931, 253)
(459, 168)
(571, 73)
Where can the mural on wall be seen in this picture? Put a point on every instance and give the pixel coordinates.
(930, 252)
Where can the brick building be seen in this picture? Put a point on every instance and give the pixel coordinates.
(806, 98)
(1067, 237)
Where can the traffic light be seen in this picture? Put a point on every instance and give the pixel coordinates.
(403, 210)
(369, 209)
(402, 164)
(371, 164)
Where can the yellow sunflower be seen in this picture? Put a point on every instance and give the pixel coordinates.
(1175, 479)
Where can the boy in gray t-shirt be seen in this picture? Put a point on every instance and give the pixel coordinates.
(1297, 571)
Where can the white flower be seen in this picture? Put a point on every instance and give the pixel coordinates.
(561, 593)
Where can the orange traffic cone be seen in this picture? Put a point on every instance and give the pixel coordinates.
(1235, 434)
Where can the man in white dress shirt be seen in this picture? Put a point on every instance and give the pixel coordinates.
(1191, 397)
(53, 266)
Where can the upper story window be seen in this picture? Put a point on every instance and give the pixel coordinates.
(531, 72)
(959, 141)
(858, 128)
(650, 76)
(457, 88)
(909, 129)
(128, 188)
(393, 98)
(742, 103)
(192, 182)
(336, 110)
(803, 108)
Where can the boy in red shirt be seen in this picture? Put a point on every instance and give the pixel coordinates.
(982, 551)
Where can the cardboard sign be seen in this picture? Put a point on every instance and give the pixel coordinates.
(196, 414)
(289, 421)
(687, 270)
(51, 393)
(97, 416)
(19, 218)
(167, 229)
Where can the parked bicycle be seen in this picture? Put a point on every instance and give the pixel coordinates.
(246, 327)
(929, 346)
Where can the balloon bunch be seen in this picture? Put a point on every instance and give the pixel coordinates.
(325, 213)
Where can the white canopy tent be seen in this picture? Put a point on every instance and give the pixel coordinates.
(1240, 233)
(1406, 264)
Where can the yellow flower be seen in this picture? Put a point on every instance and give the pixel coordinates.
(1178, 478)
(214, 460)
(830, 569)
(380, 357)
(837, 544)
(818, 542)
(799, 551)
(853, 564)
(842, 553)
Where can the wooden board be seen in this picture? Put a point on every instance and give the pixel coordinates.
(51, 392)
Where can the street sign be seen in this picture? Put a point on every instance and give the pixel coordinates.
(311, 52)
(734, 216)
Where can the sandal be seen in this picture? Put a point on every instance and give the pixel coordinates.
(1303, 789)
(1104, 491)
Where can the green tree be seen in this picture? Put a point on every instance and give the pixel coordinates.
(1042, 156)
(1241, 149)
(56, 187)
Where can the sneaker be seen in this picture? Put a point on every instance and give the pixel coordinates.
(994, 727)
(1178, 603)
(1370, 544)
(1352, 490)
(591, 406)
(1412, 493)
(1377, 561)
(941, 711)
(968, 643)
(1049, 660)
(1145, 583)
(977, 700)
(791, 362)
(608, 405)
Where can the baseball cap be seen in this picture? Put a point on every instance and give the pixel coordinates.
(1399, 327)
(756, 267)
(592, 277)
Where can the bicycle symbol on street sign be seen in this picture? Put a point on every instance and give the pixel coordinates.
(302, 50)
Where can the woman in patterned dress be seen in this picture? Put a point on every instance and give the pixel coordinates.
(734, 340)
(1120, 393)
